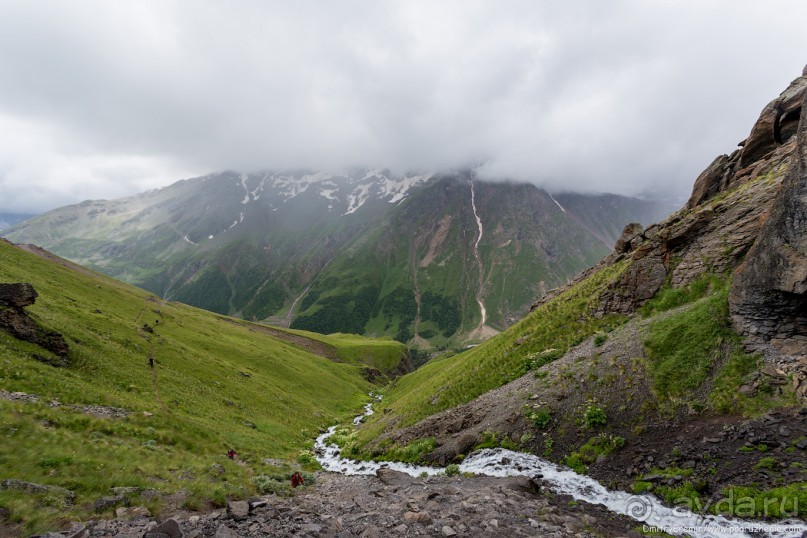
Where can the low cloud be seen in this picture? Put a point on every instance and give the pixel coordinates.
(102, 99)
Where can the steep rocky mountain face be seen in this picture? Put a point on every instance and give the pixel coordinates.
(769, 292)
(428, 259)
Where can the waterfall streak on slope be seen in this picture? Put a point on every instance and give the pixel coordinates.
(501, 462)
(482, 309)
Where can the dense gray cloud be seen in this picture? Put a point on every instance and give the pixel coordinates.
(101, 99)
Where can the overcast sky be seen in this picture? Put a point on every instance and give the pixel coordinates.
(100, 99)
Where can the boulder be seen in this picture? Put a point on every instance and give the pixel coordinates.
(389, 476)
(238, 510)
(22, 327)
(761, 141)
(711, 181)
(169, 528)
(17, 295)
(627, 240)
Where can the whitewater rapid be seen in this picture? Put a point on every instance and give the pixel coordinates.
(500, 462)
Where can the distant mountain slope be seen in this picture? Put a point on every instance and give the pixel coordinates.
(10, 219)
(365, 252)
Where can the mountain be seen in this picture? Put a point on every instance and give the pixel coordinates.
(669, 366)
(417, 257)
(10, 219)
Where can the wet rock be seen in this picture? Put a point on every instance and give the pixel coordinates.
(389, 476)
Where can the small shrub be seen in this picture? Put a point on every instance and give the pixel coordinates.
(307, 457)
(541, 417)
(574, 463)
(766, 463)
(600, 339)
(526, 438)
(453, 470)
(269, 485)
(594, 416)
(548, 444)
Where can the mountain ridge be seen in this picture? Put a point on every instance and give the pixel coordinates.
(259, 246)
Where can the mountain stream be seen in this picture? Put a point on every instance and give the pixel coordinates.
(501, 462)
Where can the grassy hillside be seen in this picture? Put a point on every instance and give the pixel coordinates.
(544, 335)
(384, 354)
(215, 385)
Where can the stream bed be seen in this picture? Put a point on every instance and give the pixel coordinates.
(499, 462)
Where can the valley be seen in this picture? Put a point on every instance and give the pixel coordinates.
(661, 389)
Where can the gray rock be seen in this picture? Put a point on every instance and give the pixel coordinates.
(105, 503)
(37, 489)
(133, 512)
(238, 510)
(223, 531)
(169, 528)
(448, 531)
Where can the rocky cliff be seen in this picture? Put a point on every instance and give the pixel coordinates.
(769, 290)
(747, 214)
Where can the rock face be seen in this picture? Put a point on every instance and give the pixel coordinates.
(769, 292)
(722, 219)
(13, 297)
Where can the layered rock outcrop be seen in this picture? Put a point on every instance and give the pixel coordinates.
(768, 299)
(730, 201)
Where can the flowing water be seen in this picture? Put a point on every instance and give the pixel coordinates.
(482, 308)
(500, 462)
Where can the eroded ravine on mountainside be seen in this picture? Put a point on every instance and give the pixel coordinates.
(482, 331)
(499, 462)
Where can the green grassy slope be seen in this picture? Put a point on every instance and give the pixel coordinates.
(545, 334)
(215, 385)
(383, 353)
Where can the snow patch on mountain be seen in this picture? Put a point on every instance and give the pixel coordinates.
(352, 189)
(357, 198)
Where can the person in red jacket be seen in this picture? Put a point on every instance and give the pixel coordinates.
(297, 480)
